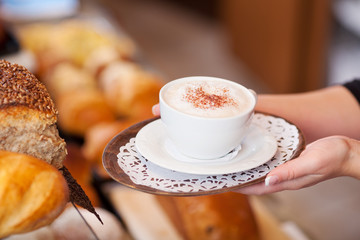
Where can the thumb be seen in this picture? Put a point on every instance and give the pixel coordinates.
(156, 110)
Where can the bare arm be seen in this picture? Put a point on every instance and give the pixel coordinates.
(331, 118)
(321, 113)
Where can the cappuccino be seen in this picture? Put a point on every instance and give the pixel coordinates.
(206, 117)
(208, 98)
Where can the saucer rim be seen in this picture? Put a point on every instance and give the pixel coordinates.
(201, 168)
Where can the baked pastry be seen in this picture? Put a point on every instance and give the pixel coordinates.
(28, 116)
(28, 125)
(71, 41)
(220, 216)
(129, 89)
(67, 78)
(80, 110)
(33, 193)
(100, 58)
(96, 139)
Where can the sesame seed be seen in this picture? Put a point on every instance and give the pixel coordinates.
(19, 87)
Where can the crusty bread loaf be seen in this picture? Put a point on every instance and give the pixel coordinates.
(33, 193)
(212, 217)
(28, 116)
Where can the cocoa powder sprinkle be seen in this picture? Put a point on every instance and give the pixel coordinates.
(19, 87)
(203, 100)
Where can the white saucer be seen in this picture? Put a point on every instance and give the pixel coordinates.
(153, 144)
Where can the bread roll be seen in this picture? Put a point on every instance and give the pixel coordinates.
(71, 41)
(100, 58)
(213, 217)
(28, 116)
(97, 137)
(66, 78)
(130, 90)
(33, 193)
(80, 110)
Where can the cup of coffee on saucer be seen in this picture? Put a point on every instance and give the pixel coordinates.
(206, 118)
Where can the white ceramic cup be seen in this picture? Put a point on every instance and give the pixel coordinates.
(204, 137)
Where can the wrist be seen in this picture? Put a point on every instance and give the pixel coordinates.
(352, 164)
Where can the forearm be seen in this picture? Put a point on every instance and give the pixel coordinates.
(326, 112)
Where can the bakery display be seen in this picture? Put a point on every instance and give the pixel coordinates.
(88, 88)
(91, 74)
(70, 41)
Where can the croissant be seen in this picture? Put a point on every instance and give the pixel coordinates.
(80, 110)
(129, 89)
(66, 78)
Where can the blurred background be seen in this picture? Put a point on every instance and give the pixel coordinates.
(277, 46)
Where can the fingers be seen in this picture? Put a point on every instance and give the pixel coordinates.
(295, 174)
(260, 189)
(305, 165)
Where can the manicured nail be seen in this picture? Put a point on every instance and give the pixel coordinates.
(271, 180)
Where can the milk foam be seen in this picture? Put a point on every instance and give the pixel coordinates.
(210, 98)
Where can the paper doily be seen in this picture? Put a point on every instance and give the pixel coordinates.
(155, 179)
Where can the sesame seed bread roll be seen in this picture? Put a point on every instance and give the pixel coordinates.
(28, 116)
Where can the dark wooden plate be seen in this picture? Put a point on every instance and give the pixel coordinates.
(110, 163)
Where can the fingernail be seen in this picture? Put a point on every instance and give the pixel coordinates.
(271, 180)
